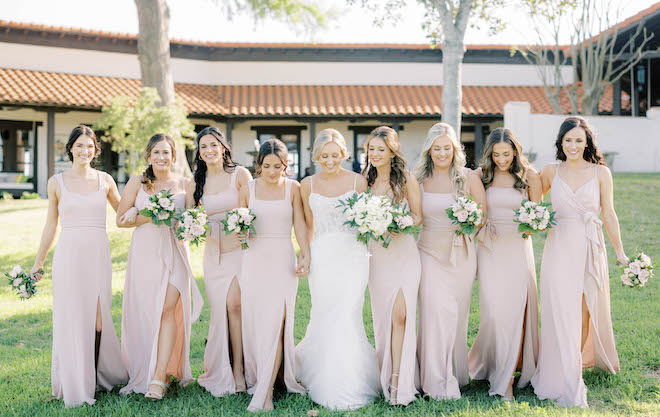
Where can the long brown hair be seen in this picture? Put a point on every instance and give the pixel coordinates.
(519, 165)
(149, 177)
(398, 170)
(591, 152)
(199, 166)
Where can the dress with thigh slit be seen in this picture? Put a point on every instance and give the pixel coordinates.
(574, 265)
(268, 292)
(449, 266)
(156, 259)
(222, 263)
(507, 289)
(82, 280)
(393, 269)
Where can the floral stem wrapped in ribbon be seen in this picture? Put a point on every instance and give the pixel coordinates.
(466, 213)
(239, 220)
(370, 214)
(21, 281)
(533, 217)
(192, 225)
(160, 208)
(638, 272)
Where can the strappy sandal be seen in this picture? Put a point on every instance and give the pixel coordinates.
(153, 395)
(394, 390)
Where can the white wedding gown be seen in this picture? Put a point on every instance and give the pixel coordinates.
(335, 361)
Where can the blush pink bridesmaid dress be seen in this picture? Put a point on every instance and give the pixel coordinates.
(574, 265)
(222, 263)
(269, 288)
(393, 269)
(156, 258)
(449, 265)
(507, 295)
(82, 279)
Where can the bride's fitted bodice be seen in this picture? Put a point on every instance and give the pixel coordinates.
(328, 218)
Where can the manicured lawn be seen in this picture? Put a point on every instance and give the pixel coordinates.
(25, 334)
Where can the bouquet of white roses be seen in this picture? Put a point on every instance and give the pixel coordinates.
(21, 281)
(638, 272)
(370, 214)
(402, 222)
(466, 213)
(239, 220)
(160, 208)
(192, 225)
(533, 217)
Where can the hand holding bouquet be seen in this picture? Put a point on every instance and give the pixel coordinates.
(467, 214)
(370, 214)
(533, 217)
(160, 208)
(239, 220)
(21, 281)
(402, 222)
(638, 272)
(192, 225)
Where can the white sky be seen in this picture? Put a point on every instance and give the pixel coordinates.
(205, 21)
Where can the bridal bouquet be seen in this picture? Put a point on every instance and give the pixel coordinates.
(402, 222)
(370, 214)
(533, 217)
(239, 220)
(466, 213)
(192, 225)
(638, 271)
(21, 281)
(160, 208)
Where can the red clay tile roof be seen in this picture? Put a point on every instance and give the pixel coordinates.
(76, 91)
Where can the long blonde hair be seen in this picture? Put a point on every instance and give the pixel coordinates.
(398, 170)
(424, 168)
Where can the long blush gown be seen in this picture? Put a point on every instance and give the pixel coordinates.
(269, 295)
(507, 295)
(82, 279)
(393, 269)
(222, 263)
(449, 265)
(574, 265)
(155, 259)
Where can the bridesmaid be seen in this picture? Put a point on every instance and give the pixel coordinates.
(575, 285)
(156, 315)
(269, 275)
(508, 306)
(86, 353)
(449, 265)
(394, 272)
(218, 180)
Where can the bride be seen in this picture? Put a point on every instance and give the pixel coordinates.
(335, 361)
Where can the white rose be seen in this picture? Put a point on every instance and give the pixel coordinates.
(404, 221)
(163, 215)
(243, 211)
(471, 206)
(14, 272)
(646, 260)
(530, 204)
(532, 215)
(635, 267)
(546, 215)
(17, 282)
(189, 237)
(626, 280)
(197, 230)
(461, 215)
(524, 217)
(164, 202)
(24, 294)
(21, 288)
(202, 219)
(150, 205)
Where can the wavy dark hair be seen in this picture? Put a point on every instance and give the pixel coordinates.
(77, 132)
(149, 177)
(199, 166)
(519, 166)
(591, 152)
(272, 147)
(398, 170)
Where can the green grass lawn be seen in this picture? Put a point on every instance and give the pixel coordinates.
(25, 334)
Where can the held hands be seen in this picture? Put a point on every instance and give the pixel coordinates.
(129, 217)
(303, 265)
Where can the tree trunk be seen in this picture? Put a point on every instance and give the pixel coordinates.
(155, 61)
(453, 51)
